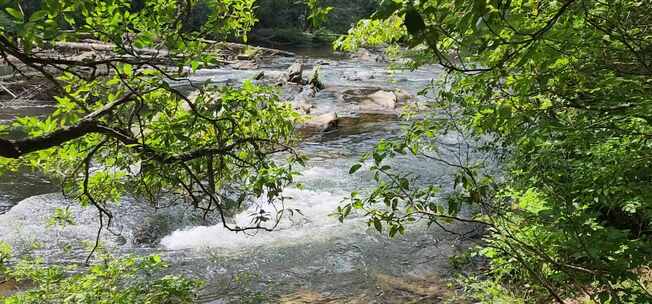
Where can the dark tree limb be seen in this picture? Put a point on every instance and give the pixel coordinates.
(89, 124)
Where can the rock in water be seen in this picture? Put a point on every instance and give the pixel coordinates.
(260, 75)
(376, 100)
(324, 122)
(380, 100)
(314, 81)
(402, 96)
(302, 105)
(295, 73)
(369, 56)
(364, 55)
(245, 65)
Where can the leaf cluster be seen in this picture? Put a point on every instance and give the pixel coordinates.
(558, 94)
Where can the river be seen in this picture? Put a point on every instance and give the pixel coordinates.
(311, 258)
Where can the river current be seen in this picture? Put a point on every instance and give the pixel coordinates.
(310, 258)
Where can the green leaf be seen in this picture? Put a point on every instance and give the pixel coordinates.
(14, 13)
(393, 230)
(377, 224)
(414, 22)
(38, 15)
(386, 9)
(127, 69)
(355, 168)
(378, 158)
(404, 183)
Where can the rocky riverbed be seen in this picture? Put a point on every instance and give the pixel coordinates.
(311, 258)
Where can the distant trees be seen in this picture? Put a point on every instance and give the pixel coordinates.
(296, 13)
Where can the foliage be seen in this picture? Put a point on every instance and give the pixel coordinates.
(125, 122)
(558, 92)
(318, 13)
(5, 255)
(331, 16)
(371, 33)
(125, 280)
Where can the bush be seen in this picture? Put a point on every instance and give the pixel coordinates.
(112, 281)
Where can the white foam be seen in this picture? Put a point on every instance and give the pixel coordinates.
(315, 223)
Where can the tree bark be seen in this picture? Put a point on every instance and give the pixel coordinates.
(17, 148)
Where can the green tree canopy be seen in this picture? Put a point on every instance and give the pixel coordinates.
(123, 119)
(560, 93)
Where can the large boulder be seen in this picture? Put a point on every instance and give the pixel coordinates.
(301, 104)
(375, 100)
(369, 56)
(402, 96)
(295, 73)
(380, 100)
(322, 123)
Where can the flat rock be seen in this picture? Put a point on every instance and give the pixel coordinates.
(245, 65)
(324, 122)
(375, 100)
(301, 104)
(380, 100)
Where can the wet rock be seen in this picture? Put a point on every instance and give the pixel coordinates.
(323, 62)
(361, 123)
(369, 56)
(380, 100)
(245, 65)
(295, 73)
(310, 91)
(363, 54)
(359, 76)
(151, 231)
(311, 297)
(411, 289)
(246, 56)
(271, 77)
(353, 77)
(375, 100)
(260, 75)
(402, 96)
(302, 105)
(10, 287)
(324, 122)
(86, 56)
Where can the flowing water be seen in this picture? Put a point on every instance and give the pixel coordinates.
(311, 257)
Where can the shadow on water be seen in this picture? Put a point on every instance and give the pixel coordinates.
(17, 186)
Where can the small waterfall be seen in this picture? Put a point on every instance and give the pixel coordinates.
(312, 223)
